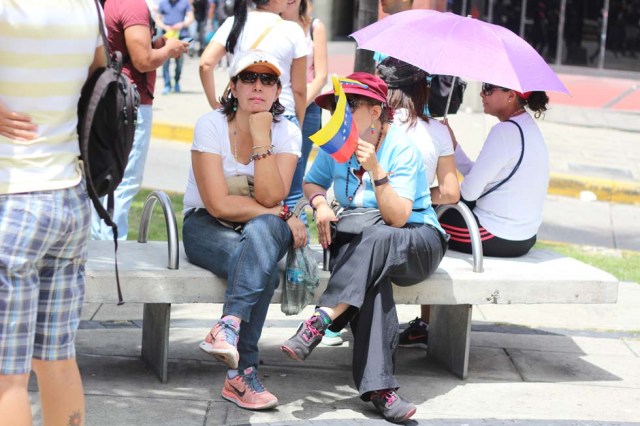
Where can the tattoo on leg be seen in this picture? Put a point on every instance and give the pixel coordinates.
(75, 419)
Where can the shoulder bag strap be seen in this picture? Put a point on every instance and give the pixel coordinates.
(264, 33)
(516, 166)
(101, 25)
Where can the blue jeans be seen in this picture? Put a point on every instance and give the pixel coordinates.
(248, 260)
(166, 75)
(130, 185)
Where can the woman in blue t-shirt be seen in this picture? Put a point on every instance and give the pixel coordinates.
(386, 172)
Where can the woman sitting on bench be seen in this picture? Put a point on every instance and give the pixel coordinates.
(237, 229)
(386, 172)
(507, 184)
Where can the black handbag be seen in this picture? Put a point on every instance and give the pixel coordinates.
(352, 222)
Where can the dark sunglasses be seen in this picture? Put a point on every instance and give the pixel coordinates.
(250, 77)
(487, 88)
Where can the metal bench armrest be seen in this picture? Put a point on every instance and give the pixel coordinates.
(170, 222)
(474, 233)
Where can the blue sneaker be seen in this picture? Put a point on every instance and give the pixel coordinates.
(176, 88)
(166, 90)
(331, 338)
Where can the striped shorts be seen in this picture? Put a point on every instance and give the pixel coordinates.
(43, 250)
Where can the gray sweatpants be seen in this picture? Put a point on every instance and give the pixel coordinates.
(361, 275)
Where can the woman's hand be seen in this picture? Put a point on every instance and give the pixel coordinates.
(16, 126)
(324, 217)
(298, 231)
(366, 155)
(260, 127)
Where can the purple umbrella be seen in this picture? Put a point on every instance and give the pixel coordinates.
(444, 43)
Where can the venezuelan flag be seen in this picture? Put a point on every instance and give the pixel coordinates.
(339, 137)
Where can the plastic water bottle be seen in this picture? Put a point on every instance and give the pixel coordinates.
(294, 292)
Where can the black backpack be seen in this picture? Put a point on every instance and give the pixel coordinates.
(440, 90)
(107, 114)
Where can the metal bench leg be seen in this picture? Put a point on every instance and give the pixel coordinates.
(449, 337)
(155, 337)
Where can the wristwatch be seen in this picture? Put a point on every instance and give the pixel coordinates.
(382, 181)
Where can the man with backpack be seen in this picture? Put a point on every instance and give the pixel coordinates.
(44, 209)
(130, 31)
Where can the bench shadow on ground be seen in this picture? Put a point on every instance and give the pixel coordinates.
(118, 383)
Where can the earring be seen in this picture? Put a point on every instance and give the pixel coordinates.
(235, 105)
(372, 129)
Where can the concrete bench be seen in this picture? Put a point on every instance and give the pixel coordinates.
(539, 277)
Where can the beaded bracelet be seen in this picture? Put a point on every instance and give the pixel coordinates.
(262, 146)
(317, 194)
(265, 154)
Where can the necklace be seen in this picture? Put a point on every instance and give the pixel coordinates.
(518, 112)
(358, 173)
(235, 145)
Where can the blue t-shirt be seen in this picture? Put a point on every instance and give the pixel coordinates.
(407, 175)
(175, 11)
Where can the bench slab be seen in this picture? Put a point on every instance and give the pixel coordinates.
(541, 276)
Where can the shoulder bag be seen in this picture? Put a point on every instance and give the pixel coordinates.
(352, 222)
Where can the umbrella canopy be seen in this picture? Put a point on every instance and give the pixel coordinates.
(444, 43)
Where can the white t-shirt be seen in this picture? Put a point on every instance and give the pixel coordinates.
(432, 139)
(285, 41)
(513, 211)
(211, 135)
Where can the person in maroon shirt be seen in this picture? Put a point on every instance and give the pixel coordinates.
(130, 31)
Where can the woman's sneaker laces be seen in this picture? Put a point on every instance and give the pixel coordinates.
(308, 336)
(221, 342)
(392, 406)
(246, 391)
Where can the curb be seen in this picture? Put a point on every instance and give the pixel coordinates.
(559, 184)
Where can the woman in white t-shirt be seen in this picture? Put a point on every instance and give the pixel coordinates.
(299, 11)
(283, 39)
(243, 159)
(409, 95)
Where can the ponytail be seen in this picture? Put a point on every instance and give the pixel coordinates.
(536, 102)
(240, 18)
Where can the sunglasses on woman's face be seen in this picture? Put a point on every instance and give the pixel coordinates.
(250, 77)
(487, 88)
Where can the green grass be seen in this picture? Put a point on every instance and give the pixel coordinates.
(624, 265)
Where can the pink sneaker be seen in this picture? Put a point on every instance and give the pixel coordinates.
(246, 391)
(221, 343)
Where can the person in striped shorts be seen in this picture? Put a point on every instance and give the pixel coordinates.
(47, 51)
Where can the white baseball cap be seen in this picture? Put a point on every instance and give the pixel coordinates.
(252, 57)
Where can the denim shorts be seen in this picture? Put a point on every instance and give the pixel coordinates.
(43, 250)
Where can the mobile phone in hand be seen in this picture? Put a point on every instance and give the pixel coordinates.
(188, 40)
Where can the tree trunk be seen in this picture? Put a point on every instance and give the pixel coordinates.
(367, 14)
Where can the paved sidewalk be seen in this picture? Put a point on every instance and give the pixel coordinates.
(529, 365)
(593, 137)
